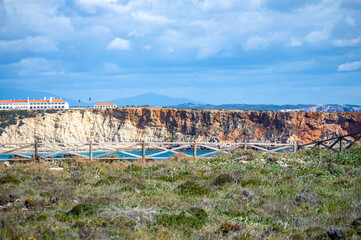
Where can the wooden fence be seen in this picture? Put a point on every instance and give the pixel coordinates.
(336, 144)
(155, 150)
(130, 150)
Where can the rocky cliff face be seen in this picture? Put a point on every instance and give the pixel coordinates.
(158, 124)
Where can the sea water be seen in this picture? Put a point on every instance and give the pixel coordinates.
(117, 154)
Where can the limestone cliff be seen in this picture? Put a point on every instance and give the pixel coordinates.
(160, 124)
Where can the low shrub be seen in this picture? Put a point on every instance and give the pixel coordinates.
(199, 213)
(9, 179)
(192, 188)
(223, 179)
(251, 182)
(355, 149)
(82, 209)
(4, 199)
(174, 177)
(109, 180)
(315, 233)
(192, 218)
(227, 228)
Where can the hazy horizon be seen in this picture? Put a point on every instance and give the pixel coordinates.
(85, 101)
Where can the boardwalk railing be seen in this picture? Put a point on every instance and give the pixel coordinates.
(336, 144)
(155, 150)
(129, 150)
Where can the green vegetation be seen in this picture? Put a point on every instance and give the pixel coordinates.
(12, 117)
(311, 194)
(8, 118)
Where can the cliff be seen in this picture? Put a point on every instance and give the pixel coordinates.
(161, 124)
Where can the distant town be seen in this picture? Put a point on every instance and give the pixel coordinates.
(45, 103)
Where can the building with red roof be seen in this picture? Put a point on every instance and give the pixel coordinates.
(33, 104)
(105, 105)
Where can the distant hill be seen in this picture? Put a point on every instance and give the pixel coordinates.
(156, 100)
(270, 107)
(151, 99)
(12, 93)
(254, 107)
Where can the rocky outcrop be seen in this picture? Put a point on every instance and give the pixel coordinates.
(162, 124)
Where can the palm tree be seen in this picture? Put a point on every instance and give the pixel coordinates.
(79, 102)
(90, 99)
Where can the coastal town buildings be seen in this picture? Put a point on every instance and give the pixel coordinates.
(33, 104)
(105, 105)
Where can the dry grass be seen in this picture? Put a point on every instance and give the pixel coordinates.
(182, 198)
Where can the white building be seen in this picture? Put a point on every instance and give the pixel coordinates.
(33, 104)
(105, 105)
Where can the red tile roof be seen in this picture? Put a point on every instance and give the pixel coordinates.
(104, 104)
(32, 101)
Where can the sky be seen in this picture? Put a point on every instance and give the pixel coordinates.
(212, 51)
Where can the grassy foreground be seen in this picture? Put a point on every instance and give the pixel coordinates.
(311, 194)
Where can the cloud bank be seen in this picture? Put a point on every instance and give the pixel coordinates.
(93, 41)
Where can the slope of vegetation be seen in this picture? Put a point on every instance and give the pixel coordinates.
(11, 117)
(312, 194)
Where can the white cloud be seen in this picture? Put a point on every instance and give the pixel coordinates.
(256, 43)
(224, 5)
(316, 36)
(109, 67)
(37, 17)
(283, 67)
(93, 32)
(148, 18)
(350, 21)
(35, 67)
(135, 34)
(205, 46)
(352, 66)
(347, 42)
(91, 6)
(30, 44)
(297, 66)
(205, 28)
(295, 42)
(209, 5)
(208, 50)
(147, 47)
(119, 44)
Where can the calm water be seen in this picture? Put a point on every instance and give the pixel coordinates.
(138, 153)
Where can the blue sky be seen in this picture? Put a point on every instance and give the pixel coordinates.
(214, 51)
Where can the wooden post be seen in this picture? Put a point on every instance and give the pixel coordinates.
(36, 150)
(91, 151)
(341, 146)
(245, 145)
(195, 150)
(143, 150)
(295, 147)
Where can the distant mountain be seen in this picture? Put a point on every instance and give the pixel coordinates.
(254, 107)
(12, 93)
(151, 99)
(270, 107)
(156, 100)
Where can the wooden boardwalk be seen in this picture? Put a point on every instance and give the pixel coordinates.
(156, 150)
